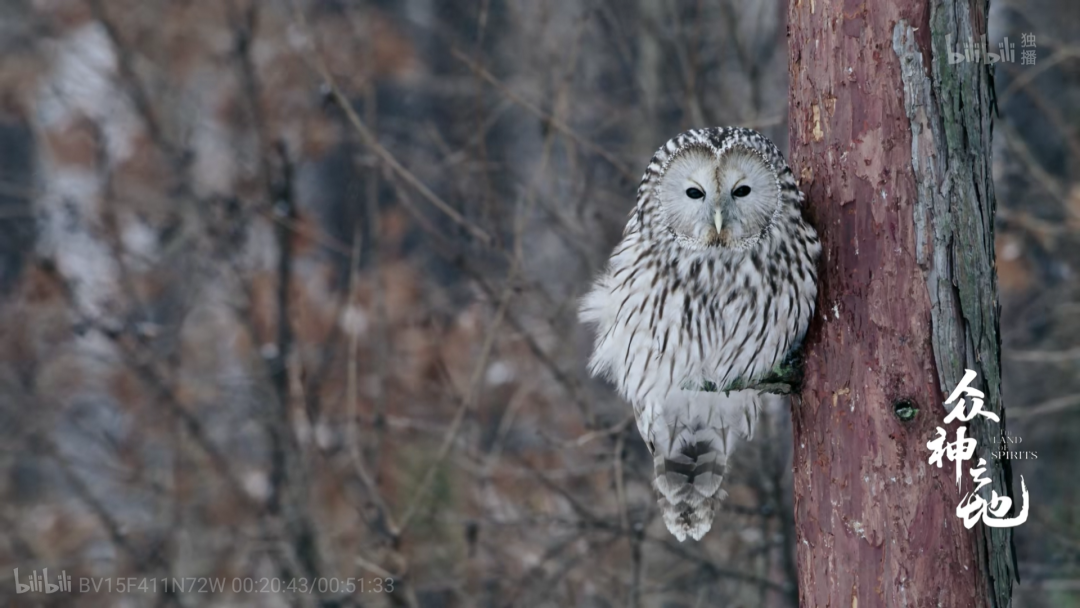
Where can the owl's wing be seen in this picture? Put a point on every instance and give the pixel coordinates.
(691, 436)
(633, 223)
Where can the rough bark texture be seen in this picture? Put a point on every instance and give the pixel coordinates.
(894, 158)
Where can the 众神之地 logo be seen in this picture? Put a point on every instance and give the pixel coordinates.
(973, 506)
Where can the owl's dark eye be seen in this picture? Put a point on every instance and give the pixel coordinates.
(741, 191)
(694, 193)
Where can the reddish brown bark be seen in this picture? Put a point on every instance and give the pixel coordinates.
(875, 522)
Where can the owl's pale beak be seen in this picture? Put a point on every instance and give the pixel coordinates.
(718, 219)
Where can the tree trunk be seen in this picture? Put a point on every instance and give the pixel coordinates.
(892, 148)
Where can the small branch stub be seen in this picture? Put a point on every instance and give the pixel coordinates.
(905, 410)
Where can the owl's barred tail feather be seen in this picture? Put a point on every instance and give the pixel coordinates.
(691, 450)
(688, 487)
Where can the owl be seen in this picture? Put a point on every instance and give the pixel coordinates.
(714, 281)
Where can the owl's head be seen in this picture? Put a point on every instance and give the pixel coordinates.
(719, 187)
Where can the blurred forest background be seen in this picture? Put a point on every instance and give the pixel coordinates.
(288, 288)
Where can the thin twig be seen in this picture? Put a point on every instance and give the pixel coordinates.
(589, 437)
(548, 119)
(1044, 356)
(352, 403)
(1050, 406)
(372, 142)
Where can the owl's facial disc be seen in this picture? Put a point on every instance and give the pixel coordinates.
(718, 200)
